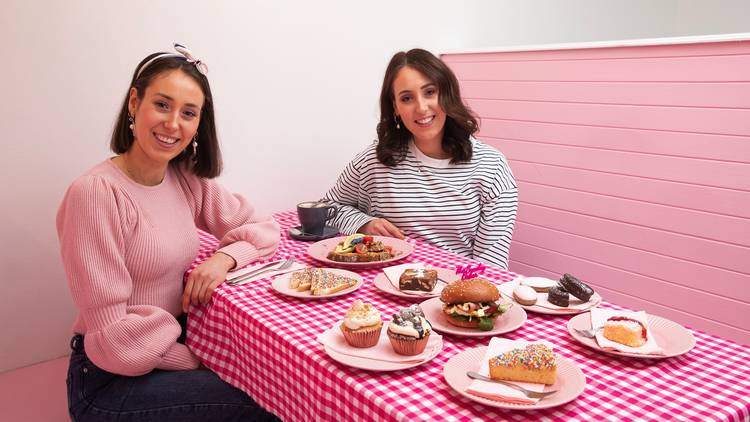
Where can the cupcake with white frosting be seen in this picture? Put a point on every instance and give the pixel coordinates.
(362, 325)
(409, 331)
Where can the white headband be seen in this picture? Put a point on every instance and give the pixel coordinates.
(185, 53)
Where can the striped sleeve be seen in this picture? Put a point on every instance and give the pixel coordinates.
(349, 197)
(497, 217)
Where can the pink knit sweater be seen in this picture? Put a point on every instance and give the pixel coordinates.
(125, 248)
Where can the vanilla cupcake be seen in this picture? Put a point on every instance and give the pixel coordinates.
(362, 325)
(409, 331)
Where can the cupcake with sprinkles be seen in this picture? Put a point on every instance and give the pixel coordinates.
(362, 325)
(409, 331)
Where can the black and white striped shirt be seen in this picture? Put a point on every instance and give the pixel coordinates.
(468, 208)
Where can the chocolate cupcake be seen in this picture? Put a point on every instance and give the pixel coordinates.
(558, 296)
(576, 287)
(409, 331)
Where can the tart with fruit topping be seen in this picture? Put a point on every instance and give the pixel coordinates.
(361, 248)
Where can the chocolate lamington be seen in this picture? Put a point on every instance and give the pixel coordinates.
(576, 287)
(418, 279)
(558, 296)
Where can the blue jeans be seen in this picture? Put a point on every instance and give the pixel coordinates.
(194, 395)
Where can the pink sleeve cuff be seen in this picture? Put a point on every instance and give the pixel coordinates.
(179, 357)
(242, 252)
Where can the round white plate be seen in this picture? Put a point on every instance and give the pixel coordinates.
(379, 365)
(281, 285)
(672, 337)
(570, 381)
(542, 306)
(512, 319)
(382, 283)
(320, 250)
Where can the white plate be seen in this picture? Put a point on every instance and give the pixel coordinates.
(570, 381)
(378, 365)
(672, 337)
(320, 250)
(512, 319)
(593, 302)
(383, 283)
(281, 285)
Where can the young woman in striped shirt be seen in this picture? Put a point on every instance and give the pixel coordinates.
(426, 176)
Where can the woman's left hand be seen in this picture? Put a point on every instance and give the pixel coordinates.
(205, 278)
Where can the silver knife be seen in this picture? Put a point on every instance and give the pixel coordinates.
(261, 268)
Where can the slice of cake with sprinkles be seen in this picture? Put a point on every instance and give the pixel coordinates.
(534, 363)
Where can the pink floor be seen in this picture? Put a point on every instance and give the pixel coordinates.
(35, 393)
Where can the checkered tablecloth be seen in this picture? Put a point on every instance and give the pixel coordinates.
(264, 343)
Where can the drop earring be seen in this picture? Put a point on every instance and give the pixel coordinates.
(195, 147)
(398, 121)
(132, 122)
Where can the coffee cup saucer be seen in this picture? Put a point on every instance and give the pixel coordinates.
(297, 233)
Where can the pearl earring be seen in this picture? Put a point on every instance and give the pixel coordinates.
(132, 122)
(195, 146)
(398, 121)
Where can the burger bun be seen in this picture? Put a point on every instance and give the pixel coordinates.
(476, 290)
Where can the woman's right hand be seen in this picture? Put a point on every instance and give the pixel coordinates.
(381, 227)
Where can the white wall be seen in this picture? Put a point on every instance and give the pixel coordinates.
(295, 85)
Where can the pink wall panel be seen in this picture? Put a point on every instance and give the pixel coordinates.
(677, 144)
(723, 48)
(633, 167)
(717, 254)
(731, 230)
(693, 94)
(725, 121)
(666, 69)
(677, 169)
(662, 269)
(677, 194)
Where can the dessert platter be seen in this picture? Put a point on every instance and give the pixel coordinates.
(361, 341)
(317, 283)
(631, 334)
(471, 307)
(414, 281)
(359, 251)
(567, 296)
(533, 366)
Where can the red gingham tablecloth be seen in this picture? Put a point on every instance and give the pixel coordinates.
(264, 343)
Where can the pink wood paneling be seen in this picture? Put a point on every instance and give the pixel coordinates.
(678, 144)
(732, 230)
(633, 167)
(724, 121)
(718, 254)
(676, 194)
(695, 276)
(696, 171)
(675, 50)
(693, 94)
(663, 69)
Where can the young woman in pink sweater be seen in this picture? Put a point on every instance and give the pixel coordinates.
(128, 231)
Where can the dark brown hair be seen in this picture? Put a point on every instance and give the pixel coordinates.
(460, 121)
(207, 162)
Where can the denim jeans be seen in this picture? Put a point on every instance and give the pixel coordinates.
(185, 396)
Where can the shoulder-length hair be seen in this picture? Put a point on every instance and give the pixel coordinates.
(207, 162)
(460, 123)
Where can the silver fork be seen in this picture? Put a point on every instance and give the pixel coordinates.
(587, 333)
(530, 394)
(284, 265)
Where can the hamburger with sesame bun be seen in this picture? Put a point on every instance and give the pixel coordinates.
(472, 303)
